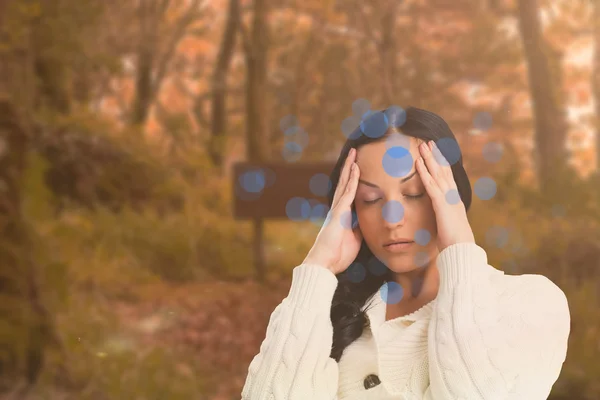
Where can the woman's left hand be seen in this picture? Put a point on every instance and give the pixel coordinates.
(451, 217)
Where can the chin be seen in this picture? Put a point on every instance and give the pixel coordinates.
(399, 262)
(400, 267)
(406, 261)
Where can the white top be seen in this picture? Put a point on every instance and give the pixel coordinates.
(486, 336)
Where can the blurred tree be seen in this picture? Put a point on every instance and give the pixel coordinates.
(256, 47)
(384, 38)
(256, 41)
(25, 324)
(87, 166)
(216, 145)
(545, 79)
(158, 37)
(596, 76)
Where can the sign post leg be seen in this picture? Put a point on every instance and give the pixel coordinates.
(259, 255)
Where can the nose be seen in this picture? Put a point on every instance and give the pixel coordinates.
(393, 213)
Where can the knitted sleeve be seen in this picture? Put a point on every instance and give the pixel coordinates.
(494, 336)
(293, 362)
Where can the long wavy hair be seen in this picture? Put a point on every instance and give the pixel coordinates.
(347, 313)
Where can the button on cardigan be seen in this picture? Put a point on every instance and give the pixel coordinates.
(486, 335)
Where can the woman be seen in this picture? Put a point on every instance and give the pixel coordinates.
(425, 319)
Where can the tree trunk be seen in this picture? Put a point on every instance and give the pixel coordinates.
(256, 48)
(387, 51)
(143, 86)
(300, 75)
(219, 86)
(256, 85)
(546, 96)
(155, 52)
(50, 69)
(21, 346)
(26, 323)
(21, 350)
(596, 79)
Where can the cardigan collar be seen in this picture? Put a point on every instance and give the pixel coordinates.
(375, 308)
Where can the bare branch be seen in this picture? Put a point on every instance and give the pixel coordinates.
(164, 6)
(179, 32)
(152, 7)
(199, 111)
(368, 27)
(181, 86)
(120, 98)
(199, 100)
(581, 31)
(161, 111)
(245, 38)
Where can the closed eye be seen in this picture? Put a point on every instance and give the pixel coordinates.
(408, 196)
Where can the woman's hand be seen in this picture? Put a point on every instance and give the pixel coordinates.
(338, 243)
(451, 217)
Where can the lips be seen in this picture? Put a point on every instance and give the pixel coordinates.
(398, 241)
(398, 246)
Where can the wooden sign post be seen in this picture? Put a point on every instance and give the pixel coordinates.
(264, 190)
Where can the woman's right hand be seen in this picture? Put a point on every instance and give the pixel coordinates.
(337, 243)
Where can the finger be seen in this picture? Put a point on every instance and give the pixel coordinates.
(344, 176)
(445, 168)
(433, 168)
(430, 185)
(350, 192)
(342, 183)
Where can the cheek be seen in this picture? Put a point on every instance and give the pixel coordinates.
(369, 221)
(365, 216)
(427, 219)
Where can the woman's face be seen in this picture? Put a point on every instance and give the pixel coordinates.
(388, 208)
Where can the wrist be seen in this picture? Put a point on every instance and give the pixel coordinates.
(454, 242)
(321, 263)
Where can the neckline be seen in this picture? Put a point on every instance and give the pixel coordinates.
(376, 310)
(414, 316)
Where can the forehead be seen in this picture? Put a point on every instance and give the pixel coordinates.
(369, 157)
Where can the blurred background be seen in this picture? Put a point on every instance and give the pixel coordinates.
(124, 273)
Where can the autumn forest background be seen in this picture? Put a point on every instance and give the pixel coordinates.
(123, 272)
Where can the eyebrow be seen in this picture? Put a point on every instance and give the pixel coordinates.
(377, 187)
